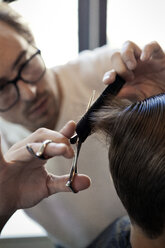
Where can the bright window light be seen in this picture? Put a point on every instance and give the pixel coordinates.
(140, 21)
(55, 27)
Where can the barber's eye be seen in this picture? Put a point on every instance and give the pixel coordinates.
(23, 63)
(2, 84)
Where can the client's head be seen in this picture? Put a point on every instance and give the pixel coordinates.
(137, 159)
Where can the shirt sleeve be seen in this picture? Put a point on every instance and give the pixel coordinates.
(93, 64)
(89, 67)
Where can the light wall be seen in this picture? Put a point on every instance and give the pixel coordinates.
(141, 21)
(55, 26)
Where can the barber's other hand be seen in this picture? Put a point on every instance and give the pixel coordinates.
(24, 181)
(143, 70)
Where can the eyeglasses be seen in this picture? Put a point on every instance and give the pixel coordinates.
(30, 72)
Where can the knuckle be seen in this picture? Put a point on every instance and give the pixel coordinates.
(152, 45)
(41, 131)
(127, 44)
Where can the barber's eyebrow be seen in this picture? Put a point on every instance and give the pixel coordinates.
(16, 62)
(18, 59)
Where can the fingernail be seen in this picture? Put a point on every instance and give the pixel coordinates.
(106, 77)
(109, 76)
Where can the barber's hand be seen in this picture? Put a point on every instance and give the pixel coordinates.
(24, 181)
(143, 70)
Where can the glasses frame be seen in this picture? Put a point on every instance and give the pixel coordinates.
(18, 77)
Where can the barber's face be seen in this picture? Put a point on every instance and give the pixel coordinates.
(35, 105)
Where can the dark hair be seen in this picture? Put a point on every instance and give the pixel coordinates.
(16, 21)
(137, 159)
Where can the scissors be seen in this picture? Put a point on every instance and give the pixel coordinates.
(84, 126)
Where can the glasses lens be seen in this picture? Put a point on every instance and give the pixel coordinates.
(31, 72)
(33, 69)
(8, 96)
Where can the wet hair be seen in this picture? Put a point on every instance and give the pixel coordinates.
(136, 135)
(16, 21)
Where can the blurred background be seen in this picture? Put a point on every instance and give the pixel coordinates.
(64, 28)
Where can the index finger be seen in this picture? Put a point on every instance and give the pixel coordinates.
(69, 129)
(152, 50)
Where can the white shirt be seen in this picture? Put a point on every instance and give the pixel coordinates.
(76, 219)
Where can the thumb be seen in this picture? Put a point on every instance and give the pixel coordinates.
(57, 184)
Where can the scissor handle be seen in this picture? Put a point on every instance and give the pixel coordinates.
(73, 170)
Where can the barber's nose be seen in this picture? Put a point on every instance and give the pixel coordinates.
(27, 91)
